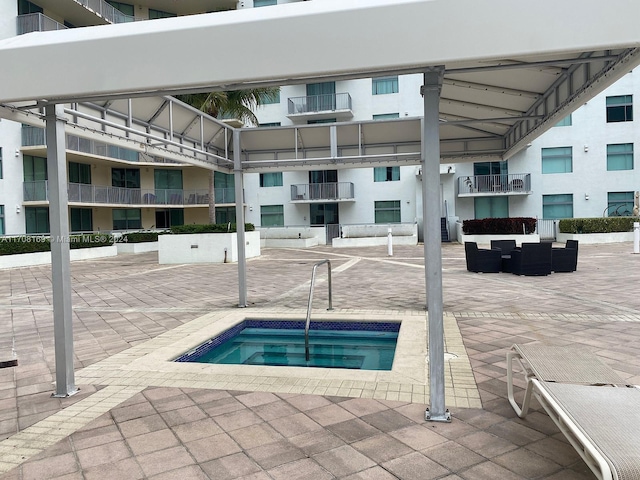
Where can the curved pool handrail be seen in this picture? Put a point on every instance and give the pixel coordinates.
(313, 281)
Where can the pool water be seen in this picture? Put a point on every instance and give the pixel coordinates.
(371, 346)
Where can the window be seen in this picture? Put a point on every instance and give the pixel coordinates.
(79, 173)
(225, 188)
(269, 99)
(37, 219)
(81, 220)
(557, 206)
(264, 3)
(620, 156)
(557, 160)
(323, 214)
(491, 207)
(620, 108)
(620, 204)
(127, 219)
(321, 97)
(166, 218)
(125, 177)
(125, 8)
(2, 230)
(322, 120)
(386, 116)
(225, 214)
(565, 122)
(25, 7)
(167, 179)
(386, 174)
(270, 124)
(153, 14)
(387, 211)
(273, 179)
(34, 168)
(272, 215)
(0, 162)
(384, 85)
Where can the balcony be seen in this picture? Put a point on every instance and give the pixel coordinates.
(494, 185)
(37, 22)
(106, 195)
(322, 192)
(318, 107)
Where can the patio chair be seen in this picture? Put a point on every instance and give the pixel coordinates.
(482, 259)
(531, 259)
(565, 259)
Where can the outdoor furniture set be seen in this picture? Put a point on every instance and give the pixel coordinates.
(595, 409)
(528, 259)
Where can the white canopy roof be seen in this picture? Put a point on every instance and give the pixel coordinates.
(512, 68)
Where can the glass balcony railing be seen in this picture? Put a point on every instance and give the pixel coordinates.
(102, 194)
(319, 103)
(37, 22)
(322, 191)
(519, 183)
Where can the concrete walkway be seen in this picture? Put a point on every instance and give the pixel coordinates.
(138, 415)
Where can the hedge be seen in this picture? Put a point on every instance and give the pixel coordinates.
(597, 224)
(140, 237)
(500, 226)
(41, 243)
(210, 228)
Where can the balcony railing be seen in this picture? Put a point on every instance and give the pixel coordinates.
(320, 103)
(519, 183)
(322, 191)
(37, 22)
(107, 11)
(102, 194)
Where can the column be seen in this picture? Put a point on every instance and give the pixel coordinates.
(239, 186)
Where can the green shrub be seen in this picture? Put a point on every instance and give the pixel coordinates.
(597, 224)
(40, 243)
(139, 237)
(500, 226)
(210, 228)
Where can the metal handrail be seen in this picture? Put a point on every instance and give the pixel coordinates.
(313, 281)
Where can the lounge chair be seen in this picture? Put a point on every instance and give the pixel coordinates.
(565, 259)
(482, 259)
(531, 259)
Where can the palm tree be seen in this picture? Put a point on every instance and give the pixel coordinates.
(237, 104)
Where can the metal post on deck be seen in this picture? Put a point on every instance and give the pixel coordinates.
(242, 254)
(60, 261)
(436, 411)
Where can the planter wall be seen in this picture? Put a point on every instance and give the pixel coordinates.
(205, 247)
(309, 236)
(374, 241)
(141, 247)
(592, 238)
(44, 258)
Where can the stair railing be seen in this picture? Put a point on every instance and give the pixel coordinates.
(308, 323)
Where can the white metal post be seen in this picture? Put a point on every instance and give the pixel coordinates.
(636, 237)
(242, 254)
(389, 242)
(432, 242)
(60, 261)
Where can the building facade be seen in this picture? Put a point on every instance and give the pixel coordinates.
(583, 167)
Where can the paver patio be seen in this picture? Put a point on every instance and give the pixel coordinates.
(134, 418)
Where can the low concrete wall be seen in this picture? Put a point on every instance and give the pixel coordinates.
(205, 247)
(365, 231)
(270, 236)
(486, 239)
(141, 247)
(374, 241)
(593, 238)
(44, 258)
(289, 242)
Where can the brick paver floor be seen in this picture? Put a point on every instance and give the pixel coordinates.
(140, 424)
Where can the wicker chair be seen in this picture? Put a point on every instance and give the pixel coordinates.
(531, 259)
(505, 246)
(565, 259)
(482, 259)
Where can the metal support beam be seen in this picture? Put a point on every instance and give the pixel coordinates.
(60, 262)
(242, 254)
(432, 242)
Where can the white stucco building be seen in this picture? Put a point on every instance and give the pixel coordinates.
(584, 168)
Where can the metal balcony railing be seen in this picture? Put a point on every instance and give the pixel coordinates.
(320, 103)
(103, 194)
(497, 183)
(36, 22)
(322, 191)
(107, 11)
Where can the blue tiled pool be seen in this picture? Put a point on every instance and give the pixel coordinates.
(354, 345)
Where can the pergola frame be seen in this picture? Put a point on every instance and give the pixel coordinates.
(483, 98)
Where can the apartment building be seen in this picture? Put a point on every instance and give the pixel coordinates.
(582, 167)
